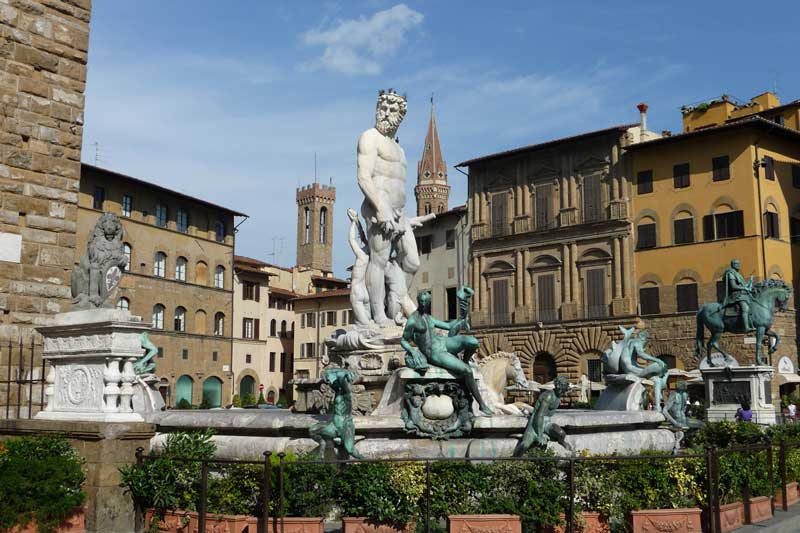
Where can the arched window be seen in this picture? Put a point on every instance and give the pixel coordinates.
(283, 329)
(686, 295)
(683, 228)
(158, 316)
(247, 386)
(307, 230)
(649, 299)
(271, 397)
(219, 324)
(219, 277)
(669, 360)
(183, 391)
(128, 257)
(440, 208)
(212, 392)
(180, 318)
(323, 224)
(292, 330)
(180, 269)
(201, 273)
(646, 234)
(771, 224)
(273, 327)
(219, 231)
(160, 264)
(123, 303)
(427, 209)
(544, 368)
(200, 318)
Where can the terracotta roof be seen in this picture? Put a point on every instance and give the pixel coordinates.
(283, 292)
(253, 270)
(755, 121)
(331, 279)
(621, 128)
(324, 294)
(160, 187)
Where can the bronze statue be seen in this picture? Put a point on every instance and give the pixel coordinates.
(541, 429)
(746, 307)
(99, 270)
(145, 364)
(438, 350)
(341, 429)
(675, 408)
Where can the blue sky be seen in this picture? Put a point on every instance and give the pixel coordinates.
(229, 101)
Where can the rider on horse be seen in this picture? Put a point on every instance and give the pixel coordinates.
(739, 293)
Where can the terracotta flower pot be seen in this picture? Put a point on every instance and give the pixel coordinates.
(496, 523)
(291, 525)
(792, 494)
(585, 522)
(75, 523)
(672, 520)
(189, 522)
(361, 525)
(760, 509)
(731, 516)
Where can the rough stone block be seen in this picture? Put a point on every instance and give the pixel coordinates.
(36, 58)
(8, 15)
(52, 255)
(40, 236)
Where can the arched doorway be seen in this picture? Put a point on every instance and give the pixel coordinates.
(247, 386)
(212, 392)
(271, 397)
(183, 390)
(544, 368)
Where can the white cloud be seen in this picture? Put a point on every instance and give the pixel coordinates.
(359, 46)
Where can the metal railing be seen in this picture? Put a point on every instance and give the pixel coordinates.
(565, 466)
(22, 386)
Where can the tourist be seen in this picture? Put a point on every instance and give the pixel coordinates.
(792, 411)
(744, 413)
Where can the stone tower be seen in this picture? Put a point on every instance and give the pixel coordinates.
(315, 226)
(432, 190)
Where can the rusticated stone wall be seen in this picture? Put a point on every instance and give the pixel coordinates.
(43, 53)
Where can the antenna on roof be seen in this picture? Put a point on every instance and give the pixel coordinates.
(97, 158)
(277, 249)
(330, 181)
(774, 73)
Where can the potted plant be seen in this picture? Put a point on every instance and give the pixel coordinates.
(42, 479)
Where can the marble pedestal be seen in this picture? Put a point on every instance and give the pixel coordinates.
(623, 392)
(728, 387)
(91, 355)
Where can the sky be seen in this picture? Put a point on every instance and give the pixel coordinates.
(230, 101)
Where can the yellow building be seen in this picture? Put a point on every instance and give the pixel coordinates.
(728, 187)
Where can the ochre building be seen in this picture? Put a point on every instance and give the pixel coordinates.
(179, 278)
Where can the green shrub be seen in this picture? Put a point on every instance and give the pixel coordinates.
(40, 479)
(183, 404)
(725, 434)
(248, 400)
(236, 401)
(369, 490)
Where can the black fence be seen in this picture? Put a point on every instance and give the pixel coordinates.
(272, 487)
(22, 378)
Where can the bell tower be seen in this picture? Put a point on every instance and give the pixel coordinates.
(315, 226)
(432, 190)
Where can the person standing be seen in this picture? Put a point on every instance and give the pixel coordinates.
(744, 413)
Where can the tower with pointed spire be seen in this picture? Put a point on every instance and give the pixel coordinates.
(432, 190)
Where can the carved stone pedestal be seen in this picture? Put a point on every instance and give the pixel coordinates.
(728, 387)
(623, 392)
(91, 355)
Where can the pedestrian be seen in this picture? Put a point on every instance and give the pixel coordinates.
(744, 414)
(792, 410)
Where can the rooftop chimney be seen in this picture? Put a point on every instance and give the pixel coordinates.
(642, 107)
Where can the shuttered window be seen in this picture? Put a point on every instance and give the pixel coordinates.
(500, 301)
(543, 198)
(680, 175)
(769, 168)
(687, 297)
(648, 301)
(723, 226)
(592, 198)
(644, 182)
(794, 229)
(499, 214)
(547, 297)
(771, 225)
(684, 230)
(645, 236)
(721, 168)
(596, 293)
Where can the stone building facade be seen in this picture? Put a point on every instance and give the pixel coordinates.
(728, 187)
(315, 226)
(180, 277)
(552, 249)
(43, 54)
(317, 316)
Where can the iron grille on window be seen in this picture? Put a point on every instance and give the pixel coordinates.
(595, 370)
(127, 205)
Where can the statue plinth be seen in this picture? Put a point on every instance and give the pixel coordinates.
(728, 387)
(91, 355)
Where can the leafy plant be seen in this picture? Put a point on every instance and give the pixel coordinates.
(236, 401)
(248, 400)
(367, 489)
(184, 404)
(40, 479)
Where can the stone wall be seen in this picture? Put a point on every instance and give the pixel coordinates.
(43, 55)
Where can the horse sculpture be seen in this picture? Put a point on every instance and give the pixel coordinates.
(765, 296)
(497, 371)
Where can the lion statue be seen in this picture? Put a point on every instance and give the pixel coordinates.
(99, 270)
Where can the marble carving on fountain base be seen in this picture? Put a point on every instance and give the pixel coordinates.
(91, 376)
